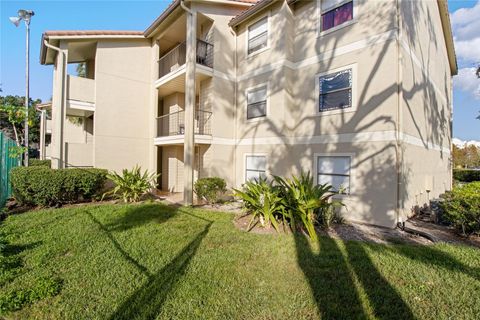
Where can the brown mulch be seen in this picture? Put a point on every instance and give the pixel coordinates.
(347, 232)
(443, 233)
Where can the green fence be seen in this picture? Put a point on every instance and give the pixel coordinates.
(6, 163)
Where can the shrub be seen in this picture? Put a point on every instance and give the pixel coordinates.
(210, 189)
(304, 200)
(39, 185)
(133, 184)
(462, 208)
(263, 200)
(466, 175)
(39, 163)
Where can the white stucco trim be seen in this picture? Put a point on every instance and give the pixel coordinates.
(361, 137)
(352, 169)
(170, 76)
(81, 105)
(180, 140)
(326, 55)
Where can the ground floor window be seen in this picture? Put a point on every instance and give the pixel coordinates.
(334, 170)
(255, 167)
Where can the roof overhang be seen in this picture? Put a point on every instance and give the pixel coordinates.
(259, 6)
(447, 32)
(174, 9)
(54, 37)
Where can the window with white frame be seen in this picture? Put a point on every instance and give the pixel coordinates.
(335, 91)
(257, 102)
(258, 35)
(255, 167)
(335, 13)
(334, 170)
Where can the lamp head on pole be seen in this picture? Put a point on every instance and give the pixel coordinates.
(24, 15)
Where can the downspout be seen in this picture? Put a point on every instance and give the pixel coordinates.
(399, 129)
(64, 98)
(235, 93)
(184, 7)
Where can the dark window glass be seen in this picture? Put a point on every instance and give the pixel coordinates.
(335, 91)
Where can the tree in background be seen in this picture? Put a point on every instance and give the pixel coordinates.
(81, 70)
(12, 118)
(467, 156)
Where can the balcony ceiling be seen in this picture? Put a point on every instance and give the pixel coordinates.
(176, 82)
(80, 51)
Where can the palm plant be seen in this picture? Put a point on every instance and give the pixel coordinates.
(263, 200)
(132, 184)
(302, 199)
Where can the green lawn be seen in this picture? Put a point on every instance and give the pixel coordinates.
(151, 261)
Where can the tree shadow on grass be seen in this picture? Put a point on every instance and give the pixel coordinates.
(147, 301)
(384, 299)
(434, 257)
(334, 277)
(138, 215)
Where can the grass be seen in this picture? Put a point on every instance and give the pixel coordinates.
(151, 261)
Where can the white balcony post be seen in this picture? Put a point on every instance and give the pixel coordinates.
(43, 132)
(58, 108)
(189, 145)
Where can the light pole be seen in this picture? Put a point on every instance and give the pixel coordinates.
(26, 16)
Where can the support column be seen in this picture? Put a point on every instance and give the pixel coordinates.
(189, 145)
(43, 131)
(153, 112)
(58, 109)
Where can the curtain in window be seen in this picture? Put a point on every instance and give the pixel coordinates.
(258, 35)
(337, 16)
(334, 170)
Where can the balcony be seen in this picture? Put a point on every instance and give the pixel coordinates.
(171, 72)
(171, 128)
(175, 58)
(80, 96)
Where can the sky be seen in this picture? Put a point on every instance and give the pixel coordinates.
(137, 15)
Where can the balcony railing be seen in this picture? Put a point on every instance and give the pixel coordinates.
(176, 57)
(173, 124)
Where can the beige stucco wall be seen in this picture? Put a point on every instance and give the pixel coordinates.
(80, 89)
(426, 103)
(122, 104)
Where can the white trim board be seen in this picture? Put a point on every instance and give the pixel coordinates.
(362, 137)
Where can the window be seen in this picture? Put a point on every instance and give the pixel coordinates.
(335, 13)
(335, 91)
(257, 102)
(334, 170)
(258, 35)
(255, 167)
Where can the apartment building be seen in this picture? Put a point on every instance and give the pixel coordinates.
(357, 92)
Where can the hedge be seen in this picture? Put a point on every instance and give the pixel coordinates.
(42, 186)
(210, 189)
(466, 175)
(461, 208)
(39, 163)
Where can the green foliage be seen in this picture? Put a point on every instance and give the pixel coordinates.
(16, 152)
(12, 118)
(304, 200)
(462, 208)
(210, 189)
(466, 175)
(39, 185)
(262, 200)
(296, 200)
(132, 184)
(17, 299)
(39, 163)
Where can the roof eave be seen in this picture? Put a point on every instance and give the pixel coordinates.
(447, 32)
(256, 8)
